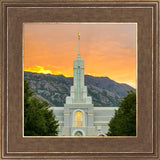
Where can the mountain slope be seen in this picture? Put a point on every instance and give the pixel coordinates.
(55, 88)
(108, 84)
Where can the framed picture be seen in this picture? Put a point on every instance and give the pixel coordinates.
(20, 18)
(65, 65)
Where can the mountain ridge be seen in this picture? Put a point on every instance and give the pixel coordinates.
(55, 88)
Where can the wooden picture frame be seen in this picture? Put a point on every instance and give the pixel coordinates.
(146, 145)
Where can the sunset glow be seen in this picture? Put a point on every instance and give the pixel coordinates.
(109, 50)
(39, 69)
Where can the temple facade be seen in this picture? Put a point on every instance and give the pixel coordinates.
(79, 116)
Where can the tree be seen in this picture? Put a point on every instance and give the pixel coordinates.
(124, 121)
(38, 119)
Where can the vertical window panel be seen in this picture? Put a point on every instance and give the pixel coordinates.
(78, 119)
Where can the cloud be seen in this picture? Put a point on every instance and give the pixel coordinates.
(108, 49)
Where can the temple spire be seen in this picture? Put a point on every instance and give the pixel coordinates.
(79, 56)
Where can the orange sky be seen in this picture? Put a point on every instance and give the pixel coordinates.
(107, 49)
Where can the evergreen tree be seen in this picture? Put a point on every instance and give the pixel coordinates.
(124, 121)
(38, 119)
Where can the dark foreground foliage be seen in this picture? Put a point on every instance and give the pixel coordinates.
(38, 119)
(124, 121)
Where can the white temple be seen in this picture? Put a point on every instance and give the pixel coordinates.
(79, 117)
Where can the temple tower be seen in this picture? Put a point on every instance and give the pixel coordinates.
(78, 92)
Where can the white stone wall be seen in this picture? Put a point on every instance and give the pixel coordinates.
(96, 119)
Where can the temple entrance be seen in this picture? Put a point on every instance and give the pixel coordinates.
(78, 133)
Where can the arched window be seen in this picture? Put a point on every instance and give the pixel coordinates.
(78, 133)
(78, 119)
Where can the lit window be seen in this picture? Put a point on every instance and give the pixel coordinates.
(78, 119)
